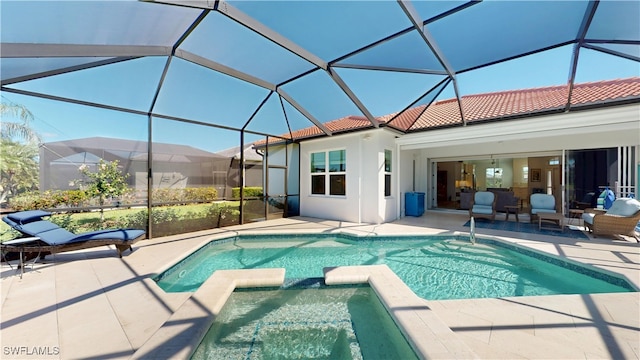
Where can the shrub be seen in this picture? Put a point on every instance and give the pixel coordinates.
(206, 194)
(169, 221)
(25, 201)
(52, 199)
(136, 220)
(249, 191)
(48, 199)
(186, 195)
(70, 198)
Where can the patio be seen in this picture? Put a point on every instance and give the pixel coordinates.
(90, 304)
(149, 73)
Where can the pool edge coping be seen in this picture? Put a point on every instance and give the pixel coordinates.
(520, 245)
(183, 331)
(427, 334)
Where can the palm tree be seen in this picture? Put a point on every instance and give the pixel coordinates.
(18, 168)
(21, 129)
(19, 165)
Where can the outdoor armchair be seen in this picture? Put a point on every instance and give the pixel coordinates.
(483, 205)
(621, 219)
(541, 203)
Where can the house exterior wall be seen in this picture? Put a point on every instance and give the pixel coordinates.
(364, 201)
(413, 155)
(376, 207)
(537, 136)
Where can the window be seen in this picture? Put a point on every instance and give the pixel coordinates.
(334, 174)
(387, 173)
(494, 177)
(318, 170)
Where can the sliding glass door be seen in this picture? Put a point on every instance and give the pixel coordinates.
(588, 172)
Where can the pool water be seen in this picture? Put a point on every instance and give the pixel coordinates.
(320, 323)
(435, 268)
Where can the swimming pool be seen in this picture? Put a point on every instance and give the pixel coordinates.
(317, 323)
(434, 267)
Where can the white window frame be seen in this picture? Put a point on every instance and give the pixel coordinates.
(387, 174)
(327, 173)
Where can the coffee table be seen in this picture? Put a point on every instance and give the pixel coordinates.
(555, 217)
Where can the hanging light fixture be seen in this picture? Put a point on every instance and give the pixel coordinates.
(495, 166)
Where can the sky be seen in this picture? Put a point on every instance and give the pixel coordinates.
(196, 93)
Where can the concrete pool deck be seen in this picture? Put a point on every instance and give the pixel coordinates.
(91, 304)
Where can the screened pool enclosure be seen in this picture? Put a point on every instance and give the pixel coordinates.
(178, 91)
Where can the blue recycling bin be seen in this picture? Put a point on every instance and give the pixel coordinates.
(414, 203)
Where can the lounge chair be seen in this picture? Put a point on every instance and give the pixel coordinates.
(621, 218)
(43, 237)
(541, 203)
(483, 205)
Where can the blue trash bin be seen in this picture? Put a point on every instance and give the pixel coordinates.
(414, 203)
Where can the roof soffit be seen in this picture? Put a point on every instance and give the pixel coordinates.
(573, 123)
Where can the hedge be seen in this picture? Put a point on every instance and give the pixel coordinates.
(186, 195)
(249, 191)
(52, 199)
(49, 199)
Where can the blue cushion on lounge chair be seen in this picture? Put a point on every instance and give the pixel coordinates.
(36, 227)
(47, 231)
(123, 234)
(45, 237)
(52, 234)
(30, 223)
(25, 217)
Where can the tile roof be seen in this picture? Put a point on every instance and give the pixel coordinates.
(340, 125)
(490, 106)
(345, 124)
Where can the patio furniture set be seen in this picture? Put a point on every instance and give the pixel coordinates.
(622, 218)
